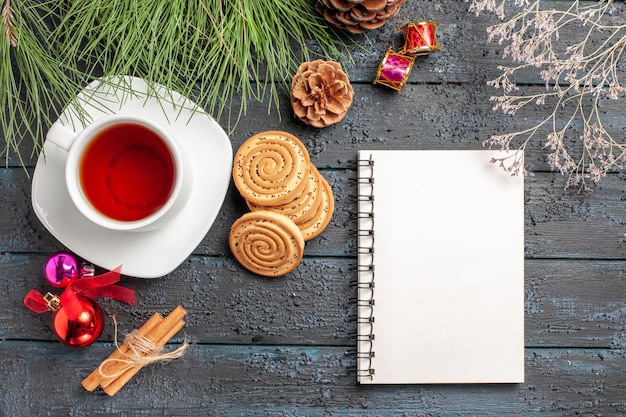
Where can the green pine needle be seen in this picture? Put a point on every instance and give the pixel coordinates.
(220, 53)
(34, 83)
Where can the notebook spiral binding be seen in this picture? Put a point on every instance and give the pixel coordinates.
(366, 269)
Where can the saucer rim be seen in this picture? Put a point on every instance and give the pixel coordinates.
(169, 255)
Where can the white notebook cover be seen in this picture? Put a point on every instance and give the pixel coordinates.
(448, 266)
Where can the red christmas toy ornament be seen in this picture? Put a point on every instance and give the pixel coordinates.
(420, 38)
(62, 267)
(394, 69)
(79, 326)
(80, 331)
(77, 320)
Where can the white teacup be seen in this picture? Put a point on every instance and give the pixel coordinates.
(123, 172)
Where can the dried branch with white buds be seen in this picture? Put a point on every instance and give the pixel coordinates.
(579, 72)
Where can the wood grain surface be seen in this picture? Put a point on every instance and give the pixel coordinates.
(287, 346)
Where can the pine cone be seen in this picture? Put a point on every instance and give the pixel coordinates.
(357, 16)
(321, 93)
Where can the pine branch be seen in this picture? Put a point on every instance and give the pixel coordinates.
(221, 54)
(34, 82)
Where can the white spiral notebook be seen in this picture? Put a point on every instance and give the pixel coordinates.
(441, 269)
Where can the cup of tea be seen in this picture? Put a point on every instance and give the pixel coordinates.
(123, 172)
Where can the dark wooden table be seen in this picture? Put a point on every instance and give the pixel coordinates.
(286, 346)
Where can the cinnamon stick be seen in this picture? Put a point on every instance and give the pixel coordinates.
(157, 330)
(112, 387)
(92, 381)
(156, 334)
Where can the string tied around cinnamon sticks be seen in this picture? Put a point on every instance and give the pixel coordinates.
(140, 349)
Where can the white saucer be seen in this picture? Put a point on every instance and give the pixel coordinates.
(148, 254)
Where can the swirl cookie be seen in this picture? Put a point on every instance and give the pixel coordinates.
(304, 206)
(266, 243)
(271, 168)
(316, 224)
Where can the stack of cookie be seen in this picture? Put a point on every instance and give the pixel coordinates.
(290, 203)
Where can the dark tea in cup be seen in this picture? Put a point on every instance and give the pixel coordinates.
(127, 172)
(123, 172)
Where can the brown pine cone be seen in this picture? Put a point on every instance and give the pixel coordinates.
(357, 16)
(321, 93)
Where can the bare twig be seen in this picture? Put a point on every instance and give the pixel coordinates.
(578, 74)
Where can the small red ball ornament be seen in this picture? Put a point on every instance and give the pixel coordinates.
(77, 320)
(82, 331)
